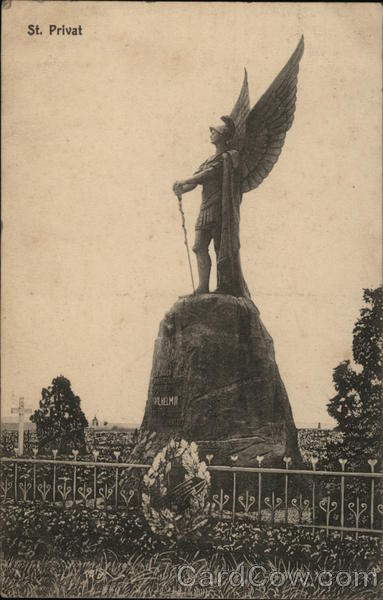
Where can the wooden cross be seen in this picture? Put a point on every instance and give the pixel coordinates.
(21, 411)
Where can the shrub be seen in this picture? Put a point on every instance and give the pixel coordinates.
(238, 541)
(60, 422)
(45, 531)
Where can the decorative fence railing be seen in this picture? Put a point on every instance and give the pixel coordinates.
(330, 500)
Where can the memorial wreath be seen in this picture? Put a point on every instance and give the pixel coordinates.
(175, 495)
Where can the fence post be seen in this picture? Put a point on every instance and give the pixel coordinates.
(233, 459)
(75, 454)
(372, 462)
(342, 464)
(54, 477)
(95, 454)
(259, 460)
(16, 452)
(286, 460)
(116, 454)
(314, 461)
(34, 450)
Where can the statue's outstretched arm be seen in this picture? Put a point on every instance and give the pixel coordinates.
(186, 185)
(181, 187)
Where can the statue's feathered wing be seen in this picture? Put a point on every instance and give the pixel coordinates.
(239, 115)
(261, 131)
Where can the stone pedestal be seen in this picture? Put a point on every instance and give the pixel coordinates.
(214, 380)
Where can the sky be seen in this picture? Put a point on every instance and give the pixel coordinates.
(96, 128)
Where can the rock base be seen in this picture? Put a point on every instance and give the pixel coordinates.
(214, 380)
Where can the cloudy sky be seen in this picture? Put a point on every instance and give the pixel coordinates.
(96, 129)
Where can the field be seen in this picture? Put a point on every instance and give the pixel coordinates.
(310, 441)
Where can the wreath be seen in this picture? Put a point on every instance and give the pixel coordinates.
(175, 491)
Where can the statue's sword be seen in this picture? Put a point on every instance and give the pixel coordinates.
(186, 237)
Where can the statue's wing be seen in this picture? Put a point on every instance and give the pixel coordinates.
(239, 115)
(268, 123)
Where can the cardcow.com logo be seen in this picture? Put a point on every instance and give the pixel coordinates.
(258, 577)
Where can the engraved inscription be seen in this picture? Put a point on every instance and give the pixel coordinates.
(166, 401)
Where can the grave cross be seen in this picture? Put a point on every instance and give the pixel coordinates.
(21, 411)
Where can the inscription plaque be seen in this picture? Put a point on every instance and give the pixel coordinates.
(166, 401)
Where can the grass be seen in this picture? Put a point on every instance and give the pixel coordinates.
(151, 578)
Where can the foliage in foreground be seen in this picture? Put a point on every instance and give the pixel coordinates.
(48, 532)
(138, 577)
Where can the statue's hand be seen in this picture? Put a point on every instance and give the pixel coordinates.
(178, 188)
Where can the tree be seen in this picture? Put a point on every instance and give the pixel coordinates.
(357, 405)
(60, 422)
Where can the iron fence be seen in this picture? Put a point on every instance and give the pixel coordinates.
(328, 500)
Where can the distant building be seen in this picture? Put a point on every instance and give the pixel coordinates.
(104, 425)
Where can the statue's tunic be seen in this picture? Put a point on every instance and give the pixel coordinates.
(210, 211)
(221, 199)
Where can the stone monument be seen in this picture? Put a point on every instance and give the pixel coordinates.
(215, 381)
(214, 377)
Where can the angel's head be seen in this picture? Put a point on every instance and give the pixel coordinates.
(223, 133)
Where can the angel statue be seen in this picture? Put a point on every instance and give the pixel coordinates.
(247, 146)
